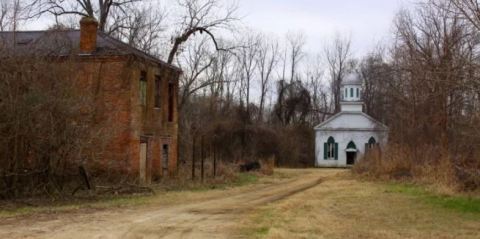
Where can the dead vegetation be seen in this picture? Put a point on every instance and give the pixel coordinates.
(400, 164)
(47, 129)
(428, 95)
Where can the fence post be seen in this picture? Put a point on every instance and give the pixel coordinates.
(193, 159)
(214, 161)
(202, 155)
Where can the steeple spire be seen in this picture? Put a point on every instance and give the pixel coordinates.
(351, 93)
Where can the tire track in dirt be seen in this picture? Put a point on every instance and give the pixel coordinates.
(213, 218)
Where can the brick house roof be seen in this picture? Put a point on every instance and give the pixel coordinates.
(66, 42)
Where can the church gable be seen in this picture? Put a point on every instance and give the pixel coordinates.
(352, 121)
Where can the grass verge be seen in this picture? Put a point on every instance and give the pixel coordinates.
(459, 203)
(161, 196)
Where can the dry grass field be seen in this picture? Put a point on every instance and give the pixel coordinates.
(344, 207)
(291, 204)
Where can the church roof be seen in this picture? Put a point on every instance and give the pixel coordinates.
(352, 79)
(351, 121)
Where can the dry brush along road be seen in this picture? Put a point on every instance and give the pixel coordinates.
(300, 204)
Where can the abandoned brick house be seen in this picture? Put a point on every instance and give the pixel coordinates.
(137, 89)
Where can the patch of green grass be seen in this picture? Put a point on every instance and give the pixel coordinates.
(460, 203)
(260, 224)
(262, 231)
(245, 179)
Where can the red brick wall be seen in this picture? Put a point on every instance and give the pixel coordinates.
(115, 84)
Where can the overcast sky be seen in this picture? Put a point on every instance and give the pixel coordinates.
(366, 21)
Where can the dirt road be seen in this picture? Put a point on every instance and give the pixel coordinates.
(211, 218)
(292, 204)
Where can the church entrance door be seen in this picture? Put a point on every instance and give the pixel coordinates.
(351, 153)
(351, 158)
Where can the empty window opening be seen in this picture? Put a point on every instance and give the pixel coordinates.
(143, 88)
(158, 91)
(165, 159)
(171, 95)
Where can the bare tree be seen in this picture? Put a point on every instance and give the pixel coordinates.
(267, 60)
(295, 44)
(468, 9)
(318, 92)
(107, 12)
(375, 73)
(202, 16)
(337, 55)
(246, 57)
(12, 13)
(4, 16)
(195, 62)
(142, 28)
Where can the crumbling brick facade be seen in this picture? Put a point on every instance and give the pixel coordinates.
(134, 92)
(116, 85)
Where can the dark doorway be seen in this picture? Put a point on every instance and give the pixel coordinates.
(351, 158)
(351, 153)
(165, 160)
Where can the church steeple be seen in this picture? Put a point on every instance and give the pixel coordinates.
(351, 93)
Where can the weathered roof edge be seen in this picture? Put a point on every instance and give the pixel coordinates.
(138, 52)
(132, 50)
(383, 126)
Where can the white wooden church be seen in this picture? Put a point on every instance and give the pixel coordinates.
(342, 139)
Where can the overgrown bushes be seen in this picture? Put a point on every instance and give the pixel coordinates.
(47, 127)
(237, 136)
(427, 166)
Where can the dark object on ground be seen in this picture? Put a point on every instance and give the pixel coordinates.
(252, 166)
(85, 178)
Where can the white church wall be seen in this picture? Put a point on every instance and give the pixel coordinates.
(352, 107)
(351, 121)
(360, 138)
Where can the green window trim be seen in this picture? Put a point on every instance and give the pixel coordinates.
(336, 151)
(330, 149)
(372, 143)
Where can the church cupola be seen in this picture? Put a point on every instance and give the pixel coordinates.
(351, 91)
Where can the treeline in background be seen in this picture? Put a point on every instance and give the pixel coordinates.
(248, 95)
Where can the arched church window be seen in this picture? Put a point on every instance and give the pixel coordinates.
(351, 145)
(330, 149)
(351, 92)
(372, 143)
(358, 93)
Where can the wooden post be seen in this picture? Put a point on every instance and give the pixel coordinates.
(202, 155)
(193, 159)
(214, 161)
